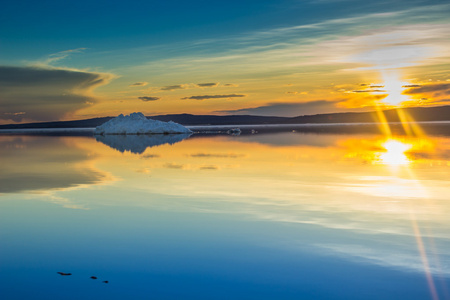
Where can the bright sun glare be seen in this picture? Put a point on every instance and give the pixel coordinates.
(390, 61)
(394, 87)
(395, 153)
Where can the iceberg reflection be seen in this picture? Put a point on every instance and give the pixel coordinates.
(139, 143)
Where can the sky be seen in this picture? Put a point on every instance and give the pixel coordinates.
(84, 59)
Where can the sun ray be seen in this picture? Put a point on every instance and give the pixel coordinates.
(423, 256)
(409, 125)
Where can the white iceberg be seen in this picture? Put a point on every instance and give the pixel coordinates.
(137, 123)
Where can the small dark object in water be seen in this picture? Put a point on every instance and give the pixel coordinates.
(93, 277)
(106, 281)
(234, 131)
(64, 274)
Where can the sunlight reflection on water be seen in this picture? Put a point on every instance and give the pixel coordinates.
(335, 198)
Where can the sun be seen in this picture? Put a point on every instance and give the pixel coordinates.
(394, 88)
(390, 60)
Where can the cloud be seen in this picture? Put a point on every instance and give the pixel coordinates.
(15, 113)
(189, 86)
(216, 155)
(369, 91)
(209, 167)
(143, 83)
(329, 45)
(147, 98)
(174, 87)
(144, 170)
(150, 156)
(70, 166)
(60, 55)
(174, 166)
(287, 109)
(429, 88)
(209, 84)
(46, 94)
(203, 97)
(231, 85)
(411, 86)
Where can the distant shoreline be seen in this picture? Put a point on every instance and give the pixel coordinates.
(307, 127)
(392, 116)
(259, 126)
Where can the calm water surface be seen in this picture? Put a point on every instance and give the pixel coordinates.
(285, 215)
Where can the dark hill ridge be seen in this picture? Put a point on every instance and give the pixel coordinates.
(420, 114)
(187, 119)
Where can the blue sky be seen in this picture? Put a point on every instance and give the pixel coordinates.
(284, 54)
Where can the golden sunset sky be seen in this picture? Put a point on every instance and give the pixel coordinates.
(77, 60)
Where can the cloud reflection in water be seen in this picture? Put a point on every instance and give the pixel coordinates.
(42, 164)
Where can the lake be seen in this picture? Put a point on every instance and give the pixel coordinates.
(281, 214)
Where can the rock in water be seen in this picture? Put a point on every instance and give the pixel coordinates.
(137, 123)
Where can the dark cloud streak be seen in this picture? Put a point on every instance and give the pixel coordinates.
(143, 83)
(147, 98)
(411, 86)
(429, 88)
(369, 91)
(203, 97)
(174, 87)
(209, 84)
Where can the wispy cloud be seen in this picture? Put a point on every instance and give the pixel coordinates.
(335, 43)
(148, 98)
(203, 97)
(174, 166)
(174, 87)
(209, 84)
(435, 87)
(137, 84)
(369, 91)
(185, 86)
(209, 167)
(216, 155)
(52, 58)
(311, 53)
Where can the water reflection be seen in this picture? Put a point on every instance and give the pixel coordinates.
(395, 153)
(138, 143)
(39, 164)
(362, 198)
(345, 185)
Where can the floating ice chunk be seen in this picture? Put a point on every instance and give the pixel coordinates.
(137, 123)
(234, 131)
